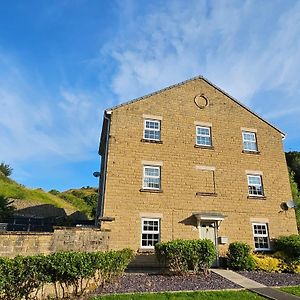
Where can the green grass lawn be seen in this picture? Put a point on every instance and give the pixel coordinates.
(202, 295)
(295, 290)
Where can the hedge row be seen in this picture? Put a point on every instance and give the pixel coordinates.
(180, 256)
(24, 276)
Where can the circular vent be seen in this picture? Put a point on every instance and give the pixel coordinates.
(201, 101)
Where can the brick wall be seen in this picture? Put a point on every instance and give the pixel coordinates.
(62, 239)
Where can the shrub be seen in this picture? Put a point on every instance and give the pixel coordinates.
(268, 263)
(5, 169)
(21, 277)
(6, 208)
(78, 194)
(181, 256)
(239, 257)
(289, 245)
(54, 192)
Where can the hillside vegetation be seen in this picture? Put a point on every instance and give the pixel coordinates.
(83, 199)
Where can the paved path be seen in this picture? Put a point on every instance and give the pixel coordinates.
(254, 286)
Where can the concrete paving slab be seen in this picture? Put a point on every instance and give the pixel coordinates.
(274, 294)
(254, 286)
(238, 279)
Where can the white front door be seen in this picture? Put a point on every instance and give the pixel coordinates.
(208, 231)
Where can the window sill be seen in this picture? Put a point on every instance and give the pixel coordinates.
(204, 147)
(251, 152)
(206, 194)
(146, 251)
(150, 191)
(151, 141)
(262, 250)
(257, 197)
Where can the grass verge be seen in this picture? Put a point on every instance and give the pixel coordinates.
(201, 295)
(294, 290)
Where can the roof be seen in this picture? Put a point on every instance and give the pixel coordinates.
(189, 80)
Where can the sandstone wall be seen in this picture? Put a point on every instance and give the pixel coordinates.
(62, 239)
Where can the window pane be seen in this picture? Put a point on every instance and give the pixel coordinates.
(203, 136)
(151, 171)
(151, 177)
(150, 233)
(255, 185)
(254, 180)
(249, 141)
(203, 131)
(152, 130)
(261, 238)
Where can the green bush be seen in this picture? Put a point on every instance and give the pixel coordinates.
(5, 169)
(289, 249)
(180, 256)
(6, 208)
(54, 192)
(289, 245)
(239, 256)
(22, 277)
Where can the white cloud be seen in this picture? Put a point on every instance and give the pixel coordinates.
(39, 126)
(244, 47)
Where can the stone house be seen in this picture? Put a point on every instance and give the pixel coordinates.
(190, 161)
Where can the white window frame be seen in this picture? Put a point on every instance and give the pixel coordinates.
(203, 135)
(244, 132)
(149, 231)
(152, 129)
(257, 185)
(151, 176)
(261, 235)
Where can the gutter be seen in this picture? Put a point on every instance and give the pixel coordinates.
(103, 169)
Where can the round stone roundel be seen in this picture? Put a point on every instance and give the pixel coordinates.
(201, 101)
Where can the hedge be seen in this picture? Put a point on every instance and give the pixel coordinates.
(239, 256)
(180, 256)
(289, 245)
(23, 276)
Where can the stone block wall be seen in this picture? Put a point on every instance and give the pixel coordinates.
(62, 239)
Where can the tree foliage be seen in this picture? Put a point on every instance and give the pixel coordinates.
(6, 169)
(293, 162)
(295, 195)
(6, 208)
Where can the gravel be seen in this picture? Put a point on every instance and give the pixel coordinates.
(132, 282)
(273, 279)
(143, 282)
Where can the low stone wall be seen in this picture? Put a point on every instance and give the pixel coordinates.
(62, 239)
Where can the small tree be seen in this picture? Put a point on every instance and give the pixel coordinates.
(6, 209)
(296, 195)
(5, 169)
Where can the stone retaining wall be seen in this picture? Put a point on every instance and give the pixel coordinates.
(62, 239)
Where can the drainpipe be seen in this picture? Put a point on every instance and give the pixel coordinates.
(103, 170)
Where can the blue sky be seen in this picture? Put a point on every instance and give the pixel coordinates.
(63, 62)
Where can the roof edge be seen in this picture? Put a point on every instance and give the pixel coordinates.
(189, 80)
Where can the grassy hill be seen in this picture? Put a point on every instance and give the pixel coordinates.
(83, 199)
